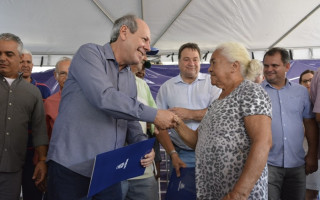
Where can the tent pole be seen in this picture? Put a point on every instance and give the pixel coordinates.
(98, 4)
(171, 23)
(295, 26)
(142, 11)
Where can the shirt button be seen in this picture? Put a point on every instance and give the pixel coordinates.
(7, 133)
(9, 118)
(10, 104)
(5, 149)
(10, 90)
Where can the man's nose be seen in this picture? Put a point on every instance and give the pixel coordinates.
(2, 57)
(267, 68)
(147, 46)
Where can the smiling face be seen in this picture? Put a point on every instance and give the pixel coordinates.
(9, 58)
(189, 64)
(136, 44)
(26, 65)
(274, 70)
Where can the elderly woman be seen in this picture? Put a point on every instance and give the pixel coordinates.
(234, 138)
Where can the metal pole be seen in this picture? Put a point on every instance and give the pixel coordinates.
(295, 26)
(171, 23)
(99, 5)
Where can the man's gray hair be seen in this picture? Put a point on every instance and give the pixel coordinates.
(62, 59)
(26, 51)
(127, 20)
(12, 37)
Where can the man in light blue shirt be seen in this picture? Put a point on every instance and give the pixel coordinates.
(99, 111)
(292, 117)
(188, 95)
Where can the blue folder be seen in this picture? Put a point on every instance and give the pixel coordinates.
(183, 187)
(118, 165)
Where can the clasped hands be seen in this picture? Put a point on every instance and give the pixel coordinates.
(166, 119)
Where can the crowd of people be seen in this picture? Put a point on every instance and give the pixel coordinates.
(246, 129)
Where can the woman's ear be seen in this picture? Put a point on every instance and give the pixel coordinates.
(235, 66)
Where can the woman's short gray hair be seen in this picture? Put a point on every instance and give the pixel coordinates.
(127, 20)
(12, 37)
(235, 51)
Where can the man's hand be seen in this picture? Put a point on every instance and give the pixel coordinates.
(148, 159)
(177, 163)
(183, 113)
(165, 119)
(39, 175)
(311, 163)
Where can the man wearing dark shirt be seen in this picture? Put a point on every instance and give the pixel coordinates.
(20, 103)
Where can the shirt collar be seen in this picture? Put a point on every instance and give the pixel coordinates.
(108, 52)
(19, 75)
(200, 77)
(265, 83)
(110, 56)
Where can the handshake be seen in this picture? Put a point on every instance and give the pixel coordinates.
(166, 119)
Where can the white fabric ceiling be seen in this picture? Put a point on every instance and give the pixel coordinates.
(61, 26)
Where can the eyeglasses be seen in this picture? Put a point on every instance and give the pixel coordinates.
(306, 81)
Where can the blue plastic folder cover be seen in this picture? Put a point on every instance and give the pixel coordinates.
(114, 166)
(183, 187)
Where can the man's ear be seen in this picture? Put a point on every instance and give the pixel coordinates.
(56, 75)
(123, 32)
(287, 66)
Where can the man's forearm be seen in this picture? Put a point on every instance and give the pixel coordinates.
(197, 115)
(188, 114)
(42, 152)
(164, 139)
(311, 132)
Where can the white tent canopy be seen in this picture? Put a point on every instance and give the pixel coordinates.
(59, 27)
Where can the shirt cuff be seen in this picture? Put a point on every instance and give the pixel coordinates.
(148, 114)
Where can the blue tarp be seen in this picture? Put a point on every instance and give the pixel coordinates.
(158, 74)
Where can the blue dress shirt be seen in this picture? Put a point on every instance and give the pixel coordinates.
(195, 96)
(98, 107)
(290, 105)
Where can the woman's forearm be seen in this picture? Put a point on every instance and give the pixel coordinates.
(189, 136)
